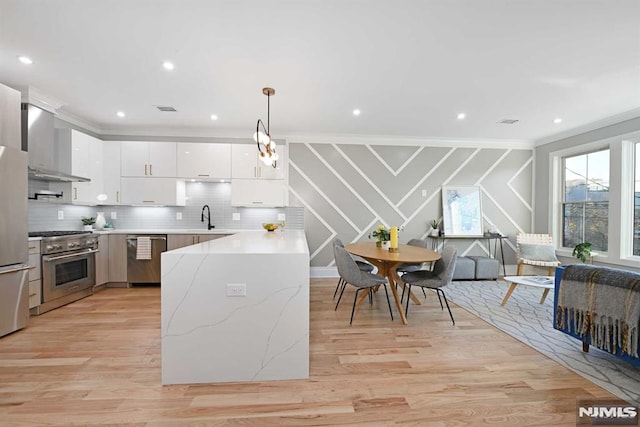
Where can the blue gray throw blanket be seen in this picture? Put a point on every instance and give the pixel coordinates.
(603, 304)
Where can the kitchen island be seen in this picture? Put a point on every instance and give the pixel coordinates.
(211, 332)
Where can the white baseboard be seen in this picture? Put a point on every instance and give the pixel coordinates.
(321, 272)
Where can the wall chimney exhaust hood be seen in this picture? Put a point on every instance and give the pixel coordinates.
(38, 139)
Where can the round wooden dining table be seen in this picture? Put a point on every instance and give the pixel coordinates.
(387, 263)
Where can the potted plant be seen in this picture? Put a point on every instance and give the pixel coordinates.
(88, 223)
(582, 251)
(434, 228)
(381, 233)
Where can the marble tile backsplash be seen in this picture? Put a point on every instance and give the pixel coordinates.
(44, 214)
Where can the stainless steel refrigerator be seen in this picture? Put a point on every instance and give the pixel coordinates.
(14, 278)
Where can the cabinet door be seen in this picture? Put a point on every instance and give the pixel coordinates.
(102, 260)
(153, 191)
(10, 118)
(244, 161)
(135, 158)
(117, 257)
(111, 172)
(35, 285)
(175, 241)
(258, 192)
(204, 161)
(162, 159)
(86, 161)
(80, 154)
(207, 237)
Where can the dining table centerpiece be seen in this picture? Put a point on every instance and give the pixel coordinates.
(382, 234)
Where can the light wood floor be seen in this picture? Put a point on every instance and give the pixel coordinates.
(97, 362)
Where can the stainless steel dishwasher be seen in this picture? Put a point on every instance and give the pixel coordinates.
(143, 257)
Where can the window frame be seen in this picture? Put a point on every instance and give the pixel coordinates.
(557, 190)
(563, 202)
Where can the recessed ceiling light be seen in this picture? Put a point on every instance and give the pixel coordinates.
(214, 117)
(25, 60)
(461, 116)
(120, 114)
(558, 120)
(168, 65)
(356, 112)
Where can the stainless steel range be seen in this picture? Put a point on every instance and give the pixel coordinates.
(68, 267)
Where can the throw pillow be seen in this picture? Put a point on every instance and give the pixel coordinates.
(543, 253)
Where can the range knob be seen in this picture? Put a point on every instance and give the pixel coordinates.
(57, 247)
(49, 247)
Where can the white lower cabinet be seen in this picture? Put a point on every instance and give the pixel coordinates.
(258, 192)
(35, 284)
(153, 191)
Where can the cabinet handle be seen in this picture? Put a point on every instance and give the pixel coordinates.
(118, 196)
(148, 201)
(145, 170)
(32, 247)
(32, 295)
(75, 193)
(203, 174)
(257, 203)
(150, 169)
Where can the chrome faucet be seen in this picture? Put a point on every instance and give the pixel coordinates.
(209, 226)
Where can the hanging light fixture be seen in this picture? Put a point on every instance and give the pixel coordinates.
(262, 137)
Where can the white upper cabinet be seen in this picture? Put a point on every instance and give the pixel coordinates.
(258, 193)
(204, 160)
(245, 163)
(86, 160)
(148, 159)
(111, 172)
(10, 118)
(153, 191)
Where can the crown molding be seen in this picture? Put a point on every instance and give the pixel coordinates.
(598, 124)
(35, 96)
(78, 121)
(411, 141)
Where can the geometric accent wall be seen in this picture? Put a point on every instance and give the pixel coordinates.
(347, 190)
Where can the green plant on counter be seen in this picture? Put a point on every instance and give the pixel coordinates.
(88, 221)
(582, 251)
(434, 223)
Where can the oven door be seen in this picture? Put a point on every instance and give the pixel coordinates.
(63, 274)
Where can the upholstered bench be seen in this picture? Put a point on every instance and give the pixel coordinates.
(465, 269)
(476, 268)
(486, 268)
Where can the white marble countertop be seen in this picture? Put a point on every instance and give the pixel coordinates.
(167, 231)
(252, 242)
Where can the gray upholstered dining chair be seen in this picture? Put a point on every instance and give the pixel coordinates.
(351, 274)
(437, 279)
(362, 265)
(411, 267)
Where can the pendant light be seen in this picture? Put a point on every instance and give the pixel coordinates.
(262, 137)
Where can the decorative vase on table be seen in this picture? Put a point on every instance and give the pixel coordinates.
(100, 221)
(435, 232)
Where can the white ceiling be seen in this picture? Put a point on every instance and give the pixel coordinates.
(409, 66)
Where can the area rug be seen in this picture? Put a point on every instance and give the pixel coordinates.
(525, 319)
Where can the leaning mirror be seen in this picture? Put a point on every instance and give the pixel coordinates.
(461, 211)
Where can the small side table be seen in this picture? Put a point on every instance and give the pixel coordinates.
(545, 282)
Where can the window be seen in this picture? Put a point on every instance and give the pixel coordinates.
(585, 207)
